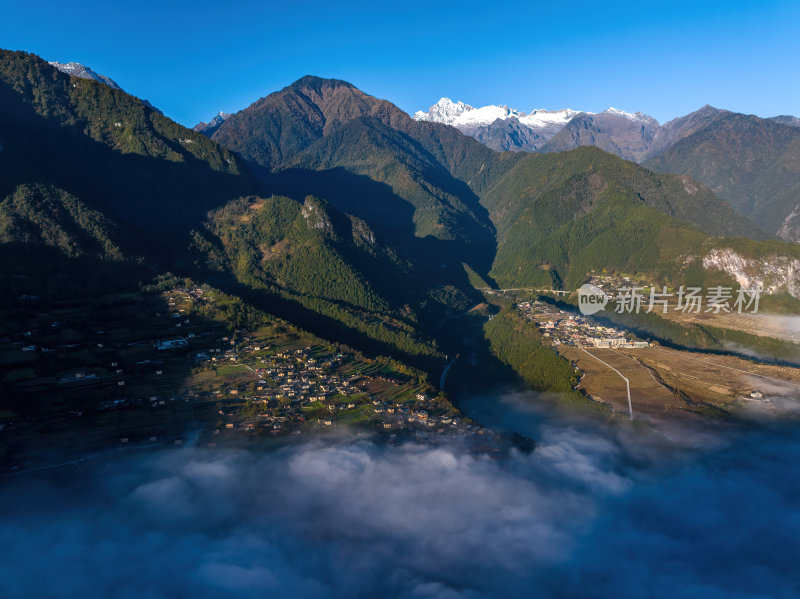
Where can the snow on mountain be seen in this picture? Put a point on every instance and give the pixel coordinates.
(633, 116)
(76, 69)
(459, 114)
(543, 118)
(498, 126)
(219, 118)
(444, 111)
(212, 125)
(502, 128)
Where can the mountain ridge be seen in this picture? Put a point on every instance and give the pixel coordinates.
(375, 141)
(77, 69)
(752, 163)
(329, 207)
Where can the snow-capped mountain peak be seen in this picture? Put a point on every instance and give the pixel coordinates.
(633, 116)
(542, 117)
(502, 128)
(220, 117)
(461, 115)
(212, 125)
(76, 69)
(444, 111)
(486, 115)
(499, 126)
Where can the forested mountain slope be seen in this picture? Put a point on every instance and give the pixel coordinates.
(752, 163)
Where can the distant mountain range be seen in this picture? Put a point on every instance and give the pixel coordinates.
(212, 125)
(340, 213)
(633, 136)
(751, 162)
(504, 128)
(499, 127)
(708, 148)
(754, 164)
(703, 144)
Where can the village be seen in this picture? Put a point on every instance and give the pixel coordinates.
(88, 377)
(612, 282)
(289, 389)
(566, 329)
(611, 358)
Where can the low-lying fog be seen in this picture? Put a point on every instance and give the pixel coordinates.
(592, 512)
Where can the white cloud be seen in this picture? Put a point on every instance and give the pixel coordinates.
(587, 512)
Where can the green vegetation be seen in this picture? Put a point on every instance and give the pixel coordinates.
(348, 219)
(312, 254)
(558, 216)
(582, 177)
(45, 214)
(231, 370)
(522, 347)
(750, 162)
(108, 149)
(416, 194)
(747, 343)
(53, 245)
(244, 370)
(297, 248)
(474, 278)
(108, 116)
(695, 336)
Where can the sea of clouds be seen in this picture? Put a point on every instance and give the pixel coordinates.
(593, 511)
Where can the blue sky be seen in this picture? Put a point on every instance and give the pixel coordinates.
(193, 59)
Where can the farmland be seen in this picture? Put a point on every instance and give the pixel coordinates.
(669, 387)
(187, 362)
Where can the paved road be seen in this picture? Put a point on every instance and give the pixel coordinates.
(627, 382)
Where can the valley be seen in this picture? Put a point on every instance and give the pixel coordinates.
(320, 217)
(269, 330)
(198, 365)
(669, 388)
